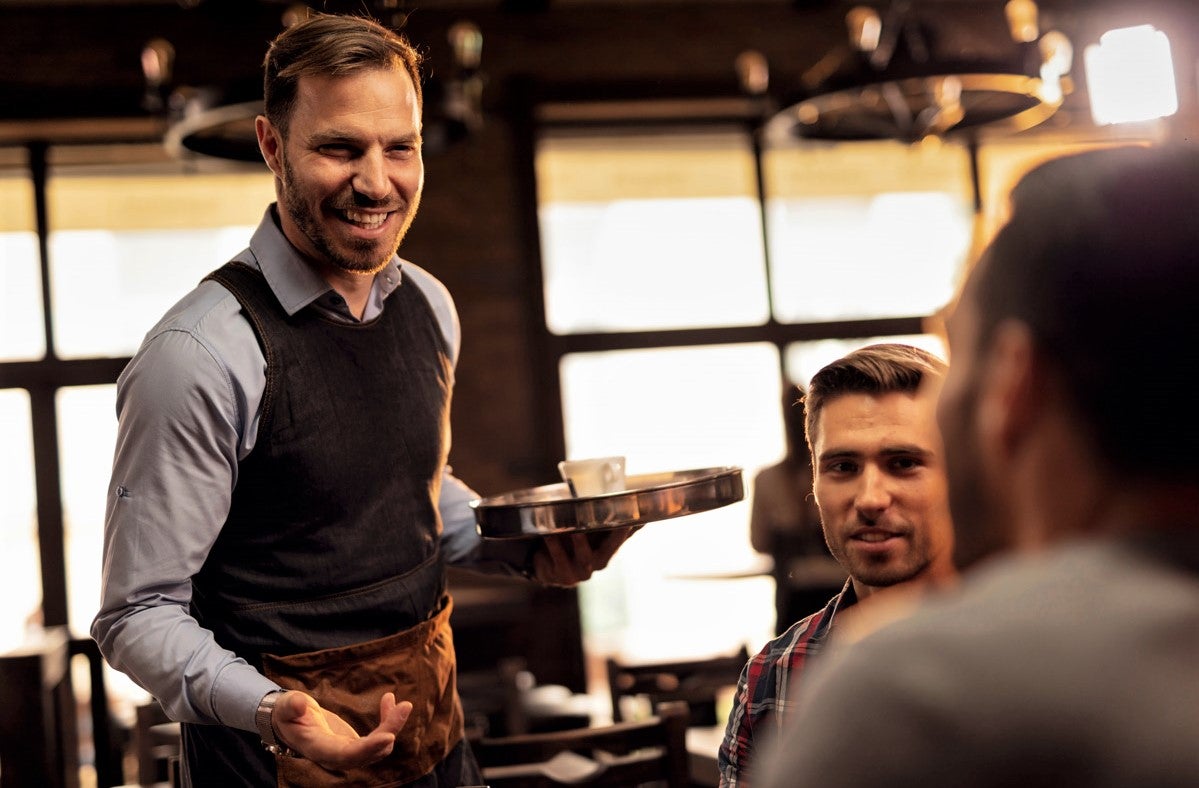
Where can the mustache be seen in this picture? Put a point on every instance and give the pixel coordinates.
(884, 522)
(356, 201)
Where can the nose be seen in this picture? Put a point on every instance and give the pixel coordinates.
(370, 176)
(874, 494)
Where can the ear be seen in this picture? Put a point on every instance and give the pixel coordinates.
(270, 142)
(1010, 398)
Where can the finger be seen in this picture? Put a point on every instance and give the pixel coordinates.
(393, 716)
(550, 562)
(555, 549)
(341, 747)
(291, 707)
(296, 715)
(608, 547)
(575, 564)
(300, 722)
(386, 704)
(555, 565)
(379, 742)
(581, 548)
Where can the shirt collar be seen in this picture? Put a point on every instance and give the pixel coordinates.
(847, 598)
(293, 281)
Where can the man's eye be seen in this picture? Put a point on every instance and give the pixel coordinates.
(840, 467)
(905, 463)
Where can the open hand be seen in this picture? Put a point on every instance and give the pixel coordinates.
(569, 559)
(326, 739)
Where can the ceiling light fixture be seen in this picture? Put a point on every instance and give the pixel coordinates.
(892, 81)
(218, 122)
(1130, 76)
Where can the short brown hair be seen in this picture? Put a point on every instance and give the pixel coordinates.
(330, 45)
(874, 369)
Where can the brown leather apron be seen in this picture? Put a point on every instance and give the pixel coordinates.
(417, 665)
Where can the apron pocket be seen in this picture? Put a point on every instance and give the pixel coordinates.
(417, 665)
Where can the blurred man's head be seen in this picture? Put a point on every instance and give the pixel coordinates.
(1073, 338)
(878, 466)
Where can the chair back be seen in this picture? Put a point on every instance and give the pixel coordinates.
(697, 682)
(619, 755)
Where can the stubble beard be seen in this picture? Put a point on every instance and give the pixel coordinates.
(362, 255)
(884, 574)
(880, 572)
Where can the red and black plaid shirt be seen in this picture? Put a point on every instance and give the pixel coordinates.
(766, 682)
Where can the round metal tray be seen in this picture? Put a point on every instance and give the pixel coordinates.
(550, 509)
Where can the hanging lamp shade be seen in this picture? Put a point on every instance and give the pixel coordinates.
(893, 79)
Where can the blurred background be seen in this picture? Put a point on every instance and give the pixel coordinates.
(653, 216)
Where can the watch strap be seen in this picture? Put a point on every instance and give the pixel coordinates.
(266, 729)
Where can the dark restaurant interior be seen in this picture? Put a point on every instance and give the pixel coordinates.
(652, 216)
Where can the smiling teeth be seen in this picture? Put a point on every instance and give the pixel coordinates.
(367, 220)
(874, 536)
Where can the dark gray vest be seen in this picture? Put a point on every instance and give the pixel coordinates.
(332, 537)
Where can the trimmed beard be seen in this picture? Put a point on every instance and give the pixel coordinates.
(360, 263)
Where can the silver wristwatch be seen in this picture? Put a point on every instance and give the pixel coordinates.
(262, 720)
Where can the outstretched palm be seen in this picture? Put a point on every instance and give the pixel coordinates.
(326, 739)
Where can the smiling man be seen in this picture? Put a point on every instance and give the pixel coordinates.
(281, 512)
(879, 482)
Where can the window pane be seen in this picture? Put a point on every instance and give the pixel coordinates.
(650, 232)
(22, 336)
(19, 559)
(865, 229)
(87, 425)
(87, 429)
(125, 248)
(676, 409)
(805, 359)
(144, 272)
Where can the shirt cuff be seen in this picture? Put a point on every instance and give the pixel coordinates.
(236, 693)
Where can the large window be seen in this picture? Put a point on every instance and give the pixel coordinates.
(21, 336)
(19, 563)
(140, 242)
(127, 235)
(21, 339)
(655, 239)
(868, 230)
(650, 233)
(673, 409)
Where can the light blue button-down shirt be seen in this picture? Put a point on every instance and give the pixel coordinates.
(188, 406)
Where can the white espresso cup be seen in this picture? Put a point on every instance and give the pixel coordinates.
(593, 476)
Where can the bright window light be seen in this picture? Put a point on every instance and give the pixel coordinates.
(19, 563)
(673, 409)
(1130, 76)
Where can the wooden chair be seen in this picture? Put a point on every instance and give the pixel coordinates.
(697, 682)
(156, 741)
(652, 751)
(493, 699)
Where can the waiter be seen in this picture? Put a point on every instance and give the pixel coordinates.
(281, 513)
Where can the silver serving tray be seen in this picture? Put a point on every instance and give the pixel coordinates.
(550, 509)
